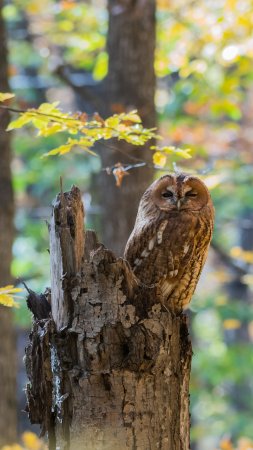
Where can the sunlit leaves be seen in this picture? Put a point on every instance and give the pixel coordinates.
(161, 154)
(29, 442)
(231, 324)
(159, 159)
(101, 66)
(71, 143)
(243, 444)
(8, 294)
(243, 255)
(209, 46)
(48, 119)
(5, 96)
(63, 26)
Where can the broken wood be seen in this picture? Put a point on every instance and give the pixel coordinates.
(110, 368)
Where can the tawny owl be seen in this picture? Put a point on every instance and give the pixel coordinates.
(169, 243)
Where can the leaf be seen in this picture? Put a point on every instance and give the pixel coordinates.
(159, 159)
(183, 153)
(132, 116)
(59, 150)
(231, 324)
(7, 294)
(119, 173)
(248, 279)
(244, 255)
(66, 148)
(112, 122)
(52, 128)
(20, 122)
(101, 66)
(49, 108)
(31, 441)
(226, 444)
(49, 120)
(6, 96)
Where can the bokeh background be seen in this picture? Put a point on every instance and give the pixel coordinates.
(59, 51)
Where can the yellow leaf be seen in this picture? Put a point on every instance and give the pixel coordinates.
(236, 252)
(101, 66)
(59, 150)
(244, 255)
(225, 444)
(248, 279)
(5, 96)
(159, 159)
(112, 121)
(132, 116)
(48, 108)
(69, 146)
(20, 121)
(31, 441)
(52, 129)
(184, 153)
(7, 295)
(231, 324)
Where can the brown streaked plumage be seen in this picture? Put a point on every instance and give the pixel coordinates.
(169, 243)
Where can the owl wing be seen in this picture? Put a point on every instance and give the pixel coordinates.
(156, 253)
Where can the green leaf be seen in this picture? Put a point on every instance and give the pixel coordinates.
(101, 66)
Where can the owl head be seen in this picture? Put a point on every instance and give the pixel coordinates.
(178, 192)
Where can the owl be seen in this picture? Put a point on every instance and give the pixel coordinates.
(169, 243)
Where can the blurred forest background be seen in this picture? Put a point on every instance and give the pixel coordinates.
(190, 73)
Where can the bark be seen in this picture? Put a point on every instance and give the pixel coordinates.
(130, 85)
(8, 420)
(110, 368)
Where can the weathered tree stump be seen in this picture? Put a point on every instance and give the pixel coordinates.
(109, 369)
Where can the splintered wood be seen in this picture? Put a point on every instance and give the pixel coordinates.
(109, 369)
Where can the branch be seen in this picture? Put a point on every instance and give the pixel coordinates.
(228, 261)
(86, 93)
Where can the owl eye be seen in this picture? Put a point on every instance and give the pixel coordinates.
(191, 194)
(167, 194)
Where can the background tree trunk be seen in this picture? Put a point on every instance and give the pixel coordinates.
(130, 84)
(8, 422)
(110, 369)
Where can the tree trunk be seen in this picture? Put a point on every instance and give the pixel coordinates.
(130, 84)
(8, 412)
(110, 369)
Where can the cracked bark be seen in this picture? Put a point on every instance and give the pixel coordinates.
(110, 368)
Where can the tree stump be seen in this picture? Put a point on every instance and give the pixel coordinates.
(109, 369)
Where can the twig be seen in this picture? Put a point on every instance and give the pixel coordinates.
(227, 260)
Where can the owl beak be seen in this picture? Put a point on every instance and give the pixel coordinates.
(179, 202)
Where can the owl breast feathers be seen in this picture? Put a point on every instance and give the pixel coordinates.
(168, 245)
